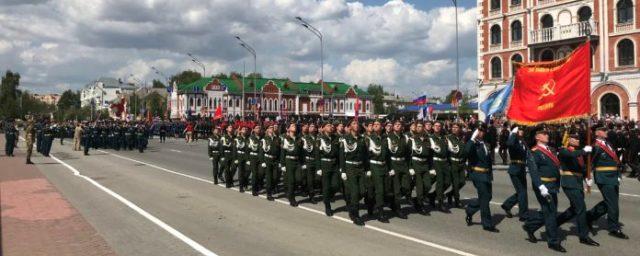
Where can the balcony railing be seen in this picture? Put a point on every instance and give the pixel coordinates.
(562, 32)
(623, 27)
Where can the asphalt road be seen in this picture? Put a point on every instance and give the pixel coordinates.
(162, 202)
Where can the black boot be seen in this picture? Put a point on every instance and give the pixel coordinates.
(457, 203)
(381, 216)
(327, 209)
(270, 196)
(398, 211)
(507, 211)
(589, 241)
(312, 198)
(353, 215)
(293, 202)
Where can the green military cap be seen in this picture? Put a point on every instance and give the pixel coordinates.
(337, 122)
(601, 128)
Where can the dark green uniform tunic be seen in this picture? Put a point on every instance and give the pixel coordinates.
(309, 148)
(10, 135)
(226, 158)
(455, 145)
(327, 163)
(353, 153)
(481, 174)
(213, 150)
(398, 150)
(269, 151)
(290, 159)
(518, 175)
(440, 164)
(239, 152)
(421, 164)
(606, 174)
(544, 170)
(377, 165)
(571, 180)
(253, 163)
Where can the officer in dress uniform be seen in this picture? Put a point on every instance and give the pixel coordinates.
(353, 153)
(29, 135)
(309, 148)
(517, 173)
(571, 179)
(214, 153)
(481, 173)
(140, 137)
(87, 132)
(253, 163)
(327, 163)
(226, 144)
(607, 176)
(269, 151)
(239, 157)
(544, 169)
(419, 166)
(441, 166)
(377, 169)
(289, 162)
(48, 134)
(455, 145)
(398, 162)
(10, 136)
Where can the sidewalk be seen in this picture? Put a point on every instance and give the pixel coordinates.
(36, 219)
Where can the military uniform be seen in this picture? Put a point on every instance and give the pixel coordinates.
(440, 151)
(140, 138)
(269, 151)
(327, 163)
(309, 148)
(29, 134)
(226, 144)
(10, 135)
(399, 170)
(86, 140)
(213, 150)
(377, 167)
(353, 153)
(420, 164)
(289, 161)
(481, 174)
(253, 163)
(239, 157)
(518, 175)
(48, 134)
(455, 146)
(571, 180)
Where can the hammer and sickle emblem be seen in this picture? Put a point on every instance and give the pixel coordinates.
(548, 89)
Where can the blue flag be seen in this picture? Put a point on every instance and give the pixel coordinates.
(497, 101)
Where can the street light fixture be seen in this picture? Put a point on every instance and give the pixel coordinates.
(250, 49)
(455, 4)
(199, 63)
(317, 32)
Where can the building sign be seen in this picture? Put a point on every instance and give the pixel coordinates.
(215, 85)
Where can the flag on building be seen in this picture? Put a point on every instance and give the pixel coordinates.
(497, 101)
(357, 107)
(552, 92)
(218, 113)
(422, 100)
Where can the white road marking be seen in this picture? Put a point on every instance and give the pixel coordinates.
(175, 150)
(193, 244)
(371, 227)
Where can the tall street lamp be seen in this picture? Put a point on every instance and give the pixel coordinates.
(250, 49)
(317, 32)
(199, 63)
(455, 4)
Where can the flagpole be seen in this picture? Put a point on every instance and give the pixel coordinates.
(589, 117)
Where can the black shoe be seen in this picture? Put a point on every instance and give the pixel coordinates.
(530, 235)
(327, 210)
(590, 227)
(241, 189)
(589, 241)
(491, 229)
(312, 199)
(618, 234)
(29, 162)
(457, 203)
(254, 193)
(557, 248)
(401, 214)
(381, 216)
(293, 202)
(507, 211)
(215, 182)
(522, 219)
(357, 220)
(468, 220)
(270, 198)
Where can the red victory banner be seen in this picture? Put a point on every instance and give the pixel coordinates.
(552, 92)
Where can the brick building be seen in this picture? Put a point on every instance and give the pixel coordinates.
(541, 30)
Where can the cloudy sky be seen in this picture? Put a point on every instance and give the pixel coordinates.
(407, 46)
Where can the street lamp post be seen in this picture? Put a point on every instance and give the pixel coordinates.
(455, 4)
(199, 63)
(317, 32)
(250, 49)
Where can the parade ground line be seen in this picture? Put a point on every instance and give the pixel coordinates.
(193, 244)
(367, 226)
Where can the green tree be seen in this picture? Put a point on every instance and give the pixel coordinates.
(221, 76)
(69, 99)
(33, 106)
(155, 103)
(377, 92)
(256, 75)
(236, 74)
(158, 84)
(133, 104)
(185, 77)
(9, 105)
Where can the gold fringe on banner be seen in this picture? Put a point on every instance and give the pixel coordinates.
(552, 121)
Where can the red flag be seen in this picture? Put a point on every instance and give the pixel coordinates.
(357, 107)
(552, 92)
(218, 113)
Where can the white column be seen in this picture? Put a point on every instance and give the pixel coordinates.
(296, 105)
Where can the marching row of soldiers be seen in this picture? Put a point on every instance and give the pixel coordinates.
(385, 166)
(113, 135)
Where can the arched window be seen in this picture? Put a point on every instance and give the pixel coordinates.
(547, 55)
(516, 58)
(210, 103)
(625, 53)
(496, 68)
(495, 4)
(341, 106)
(199, 102)
(290, 108)
(249, 102)
(190, 102)
(495, 34)
(230, 103)
(609, 104)
(584, 13)
(516, 31)
(624, 9)
(516, 2)
(563, 52)
(547, 21)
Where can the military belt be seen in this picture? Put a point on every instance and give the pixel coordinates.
(480, 169)
(377, 162)
(439, 159)
(415, 158)
(309, 158)
(456, 159)
(270, 156)
(240, 152)
(292, 157)
(398, 158)
(571, 173)
(227, 151)
(548, 179)
(353, 162)
(328, 159)
(517, 161)
(606, 169)
(215, 152)
(253, 153)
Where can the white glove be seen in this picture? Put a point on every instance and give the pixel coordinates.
(620, 179)
(236, 161)
(543, 190)
(283, 169)
(589, 182)
(412, 171)
(210, 158)
(304, 167)
(264, 165)
(319, 172)
(343, 176)
(588, 149)
(248, 162)
(432, 172)
(222, 159)
(392, 172)
(474, 135)
(368, 173)
(515, 130)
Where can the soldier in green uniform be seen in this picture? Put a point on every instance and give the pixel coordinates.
(87, 132)
(226, 156)
(239, 157)
(544, 169)
(340, 134)
(140, 137)
(517, 172)
(269, 151)
(377, 169)
(420, 166)
(607, 176)
(455, 145)
(398, 151)
(309, 148)
(214, 153)
(290, 162)
(481, 173)
(352, 157)
(10, 136)
(30, 136)
(441, 166)
(327, 163)
(47, 140)
(572, 179)
(253, 160)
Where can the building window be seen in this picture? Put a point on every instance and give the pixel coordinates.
(624, 9)
(625, 53)
(496, 68)
(547, 21)
(199, 102)
(516, 31)
(495, 4)
(609, 104)
(584, 14)
(190, 102)
(516, 2)
(230, 104)
(517, 58)
(495, 34)
(341, 106)
(210, 103)
(547, 55)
